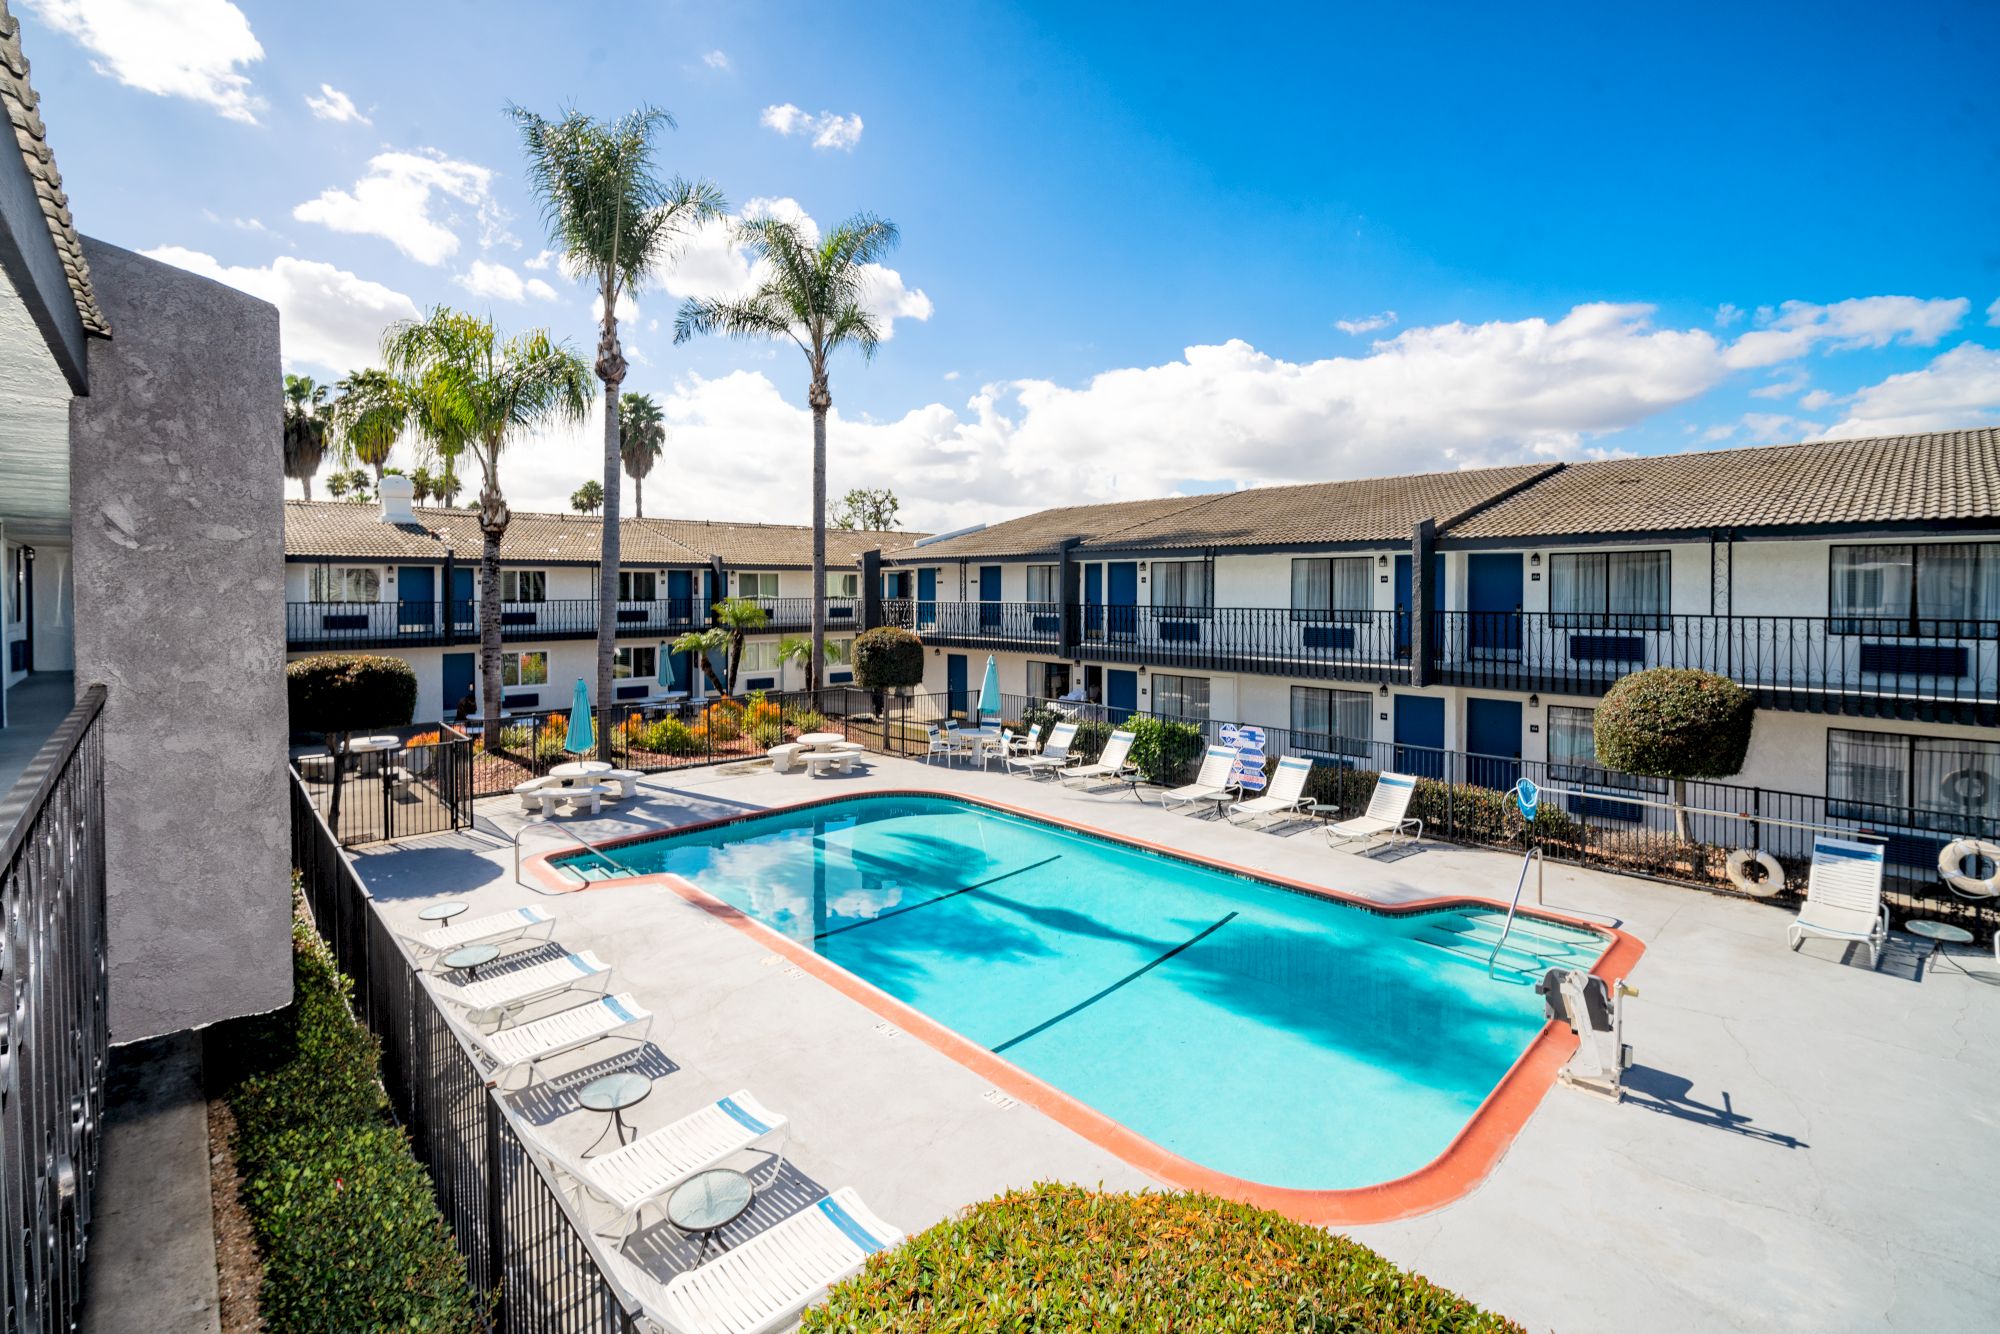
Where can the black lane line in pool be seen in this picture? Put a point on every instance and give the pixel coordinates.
(1132, 976)
(964, 889)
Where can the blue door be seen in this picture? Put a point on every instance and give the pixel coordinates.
(459, 670)
(1493, 601)
(1121, 694)
(680, 596)
(416, 597)
(1404, 596)
(1093, 601)
(1121, 586)
(1420, 735)
(926, 598)
(989, 597)
(1492, 742)
(462, 598)
(954, 683)
(682, 667)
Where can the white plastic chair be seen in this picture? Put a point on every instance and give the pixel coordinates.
(1844, 896)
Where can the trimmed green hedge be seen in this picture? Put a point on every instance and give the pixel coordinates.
(1674, 722)
(1058, 1257)
(350, 1233)
(888, 658)
(1164, 751)
(331, 693)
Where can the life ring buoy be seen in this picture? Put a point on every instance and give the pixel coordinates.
(1968, 787)
(1951, 867)
(1770, 877)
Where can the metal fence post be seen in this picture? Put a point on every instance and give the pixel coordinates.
(496, 1212)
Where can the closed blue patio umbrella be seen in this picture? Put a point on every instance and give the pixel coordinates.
(664, 678)
(989, 693)
(582, 738)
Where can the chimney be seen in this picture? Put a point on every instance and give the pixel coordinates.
(396, 492)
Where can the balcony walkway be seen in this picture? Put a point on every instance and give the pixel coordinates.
(1806, 1148)
(35, 708)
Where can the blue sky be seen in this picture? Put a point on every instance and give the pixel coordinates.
(1132, 234)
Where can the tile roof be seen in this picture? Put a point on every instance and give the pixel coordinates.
(1042, 532)
(341, 528)
(21, 104)
(1945, 475)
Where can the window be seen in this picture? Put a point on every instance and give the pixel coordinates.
(1331, 589)
(839, 651)
(1609, 590)
(1937, 589)
(20, 597)
(636, 585)
(1043, 584)
(1048, 680)
(524, 586)
(1183, 586)
(524, 669)
(843, 584)
(334, 583)
(1940, 783)
(1573, 753)
(634, 663)
(1181, 697)
(760, 655)
(752, 585)
(1332, 722)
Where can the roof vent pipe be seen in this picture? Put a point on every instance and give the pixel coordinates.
(396, 495)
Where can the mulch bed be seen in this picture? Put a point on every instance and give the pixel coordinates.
(239, 1272)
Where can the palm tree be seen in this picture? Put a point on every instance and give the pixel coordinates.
(615, 221)
(305, 430)
(370, 415)
(588, 498)
(642, 435)
(735, 620)
(799, 649)
(703, 644)
(470, 389)
(811, 292)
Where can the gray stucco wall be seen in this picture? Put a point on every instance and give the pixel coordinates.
(177, 518)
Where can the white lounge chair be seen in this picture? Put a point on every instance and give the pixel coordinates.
(510, 993)
(500, 1054)
(764, 1283)
(1387, 813)
(498, 928)
(1053, 755)
(645, 1171)
(1286, 794)
(1211, 783)
(1112, 762)
(1844, 896)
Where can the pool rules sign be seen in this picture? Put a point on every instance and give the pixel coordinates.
(1247, 772)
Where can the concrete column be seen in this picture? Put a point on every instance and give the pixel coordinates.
(1424, 598)
(177, 519)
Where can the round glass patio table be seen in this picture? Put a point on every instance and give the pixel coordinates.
(709, 1201)
(613, 1093)
(442, 912)
(469, 957)
(1940, 934)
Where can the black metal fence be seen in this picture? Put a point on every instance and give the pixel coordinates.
(523, 1244)
(401, 783)
(54, 1038)
(1593, 817)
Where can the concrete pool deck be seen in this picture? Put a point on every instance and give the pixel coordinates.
(1808, 1145)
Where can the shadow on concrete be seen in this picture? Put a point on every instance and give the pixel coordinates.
(414, 870)
(540, 1104)
(1658, 1091)
(663, 1250)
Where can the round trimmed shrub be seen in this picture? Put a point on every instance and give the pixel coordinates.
(1674, 722)
(1058, 1257)
(888, 658)
(333, 693)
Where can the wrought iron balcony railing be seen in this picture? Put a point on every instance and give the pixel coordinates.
(357, 625)
(1028, 625)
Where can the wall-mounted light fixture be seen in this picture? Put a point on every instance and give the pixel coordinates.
(1535, 558)
(1382, 562)
(1534, 701)
(1384, 692)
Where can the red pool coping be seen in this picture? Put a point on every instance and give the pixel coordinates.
(1465, 1162)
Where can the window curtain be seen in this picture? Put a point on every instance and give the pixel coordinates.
(1957, 584)
(1042, 583)
(1353, 721)
(1578, 587)
(1183, 697)
(1637, 585)
(1181, 585)
(1312, 588)
(1872, 583)
(1350, 596)
(1867, 775)
(1954, 778)
(1572, 739)
(1312, 717)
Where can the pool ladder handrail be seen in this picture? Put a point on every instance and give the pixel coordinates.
(549, 822)
(1540, 863)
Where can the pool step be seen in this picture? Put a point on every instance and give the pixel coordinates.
(1527, 955)
(1527, 936)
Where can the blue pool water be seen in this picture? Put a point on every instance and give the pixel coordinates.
(1273, 1035)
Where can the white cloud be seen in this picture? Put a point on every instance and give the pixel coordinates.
(540, 261)
(1727, 314)
(1959, 389)
(175, 48)
(827, 129)
(502, 284)
(710, 264)
(950, 376)
(628, 309)
(716, 60)
(1816, 400)
(1993, 313)
(332, 104)
(395, 202)
(329, 319)
(1366, 323)
(1782, 387)
(1770, 428)
(1450, 396)
(1869, 321)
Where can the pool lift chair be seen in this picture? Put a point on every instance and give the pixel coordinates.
(1595, 1011)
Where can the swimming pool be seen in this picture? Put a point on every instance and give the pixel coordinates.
(1265, 1033)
